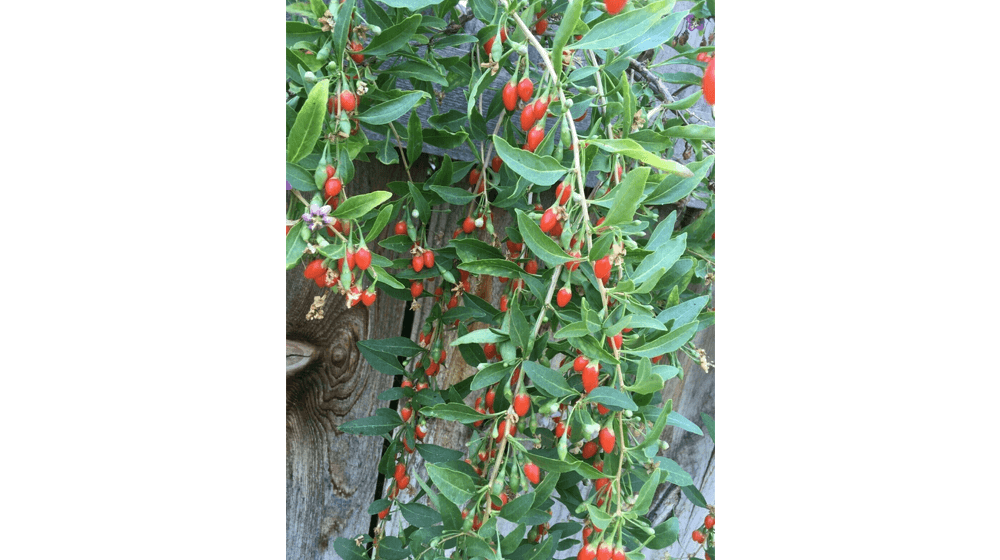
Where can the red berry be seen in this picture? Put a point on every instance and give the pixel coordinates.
(363, 258)
(541, 107)
(618, 554)
(383, 513)
(563, 297)
(531, 267)
(563, 192)
(541, 26)
(355, 49)
(405, 480)
(406, 411)
(330, 171)
(528, 117)
(708, 82)
(400, 228)
(428, 259)
(590, 373)
(588, 552)
(503, 34)
(604, 551)
(400, 471)
(332, 187)
(420, 430)
(510, 97)
(531, 471)
(548, 220)
(490, 350)
(417, 263)
(522, 403)
(709, 521)
(589, 449)
(488, 47)
(587, 531)
(560, 429)
(468, 225)
(602, 268)
(416, 288)
(474, 176)
(315, 269)
(535, 136)
(495, 164)
(367, 298)
(348, 101)
(350, 257)
(579, 363)
(503, 302)
(615, 342)
(614, 6)
(525, 89)
(607, 439)
(697, 536)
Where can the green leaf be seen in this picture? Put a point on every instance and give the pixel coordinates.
(540, 244)
(490, 375)
(393, 38)
(348, 550)
(612, 398)
(437, 454)
(451, 195)
(666, 534)
(566, 26)
(380, 222)
(397, 346)
(419, 515)
(516, 508)
(459, 412)
(544, 488)
(631, 148)
(551, 465)
(456, 486)
(673, 188)
(691, 132)
(709, 425)
(685, 103)
(541, 170)
(492, 267)
(318, 8)
(653, 434)
(627, 196)
(415, 137)
(382, 362)
(471, 249)
(341, 27)
(646, 493)
(599, 517)
(359, 205)
(412, 5)
(679, 421)
(385, 278)
(668, 342)
(299, 178)
(578, 328)
(662, 258)
(294, 245)
(520, 331)
(389, 111)
(548, 380)
(694, 495)
(675, 474)
(380, 424)
(480, 336)
(308, 123)
(618, 30)
(683, 313)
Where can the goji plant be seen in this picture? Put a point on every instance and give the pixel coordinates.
(604, 286)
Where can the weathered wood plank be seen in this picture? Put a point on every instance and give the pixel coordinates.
(330, 475)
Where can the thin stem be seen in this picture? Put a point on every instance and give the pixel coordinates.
(402, 152)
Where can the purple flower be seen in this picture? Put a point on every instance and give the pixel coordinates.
(694, 23)
(288, 186)
(317, 217)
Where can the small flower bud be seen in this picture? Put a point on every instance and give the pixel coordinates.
(376, 31)
(309, 77)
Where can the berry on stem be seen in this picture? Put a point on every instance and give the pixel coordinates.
(607, 439)
(563, 297)
(525, 89)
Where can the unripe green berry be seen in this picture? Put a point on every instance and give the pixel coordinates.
(376, 30)
(309, 77)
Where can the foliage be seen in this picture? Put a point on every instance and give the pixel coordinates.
(602, 291)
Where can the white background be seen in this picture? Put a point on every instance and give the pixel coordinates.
(142, 408)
